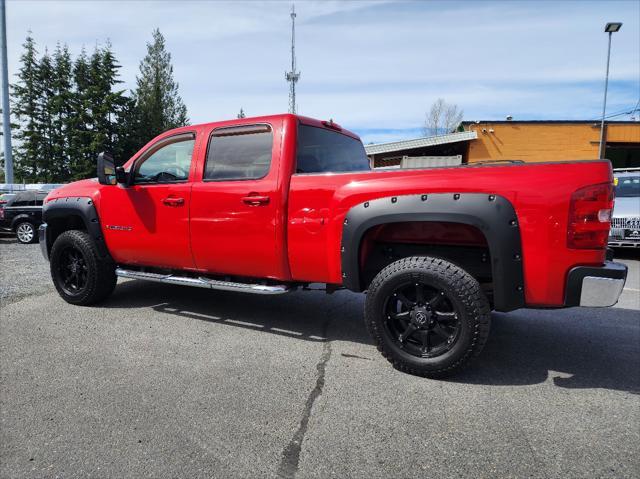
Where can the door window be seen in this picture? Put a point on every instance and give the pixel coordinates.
(239, 153)
(170, 163)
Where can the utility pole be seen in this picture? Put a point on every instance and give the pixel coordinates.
(293, 76)
(6, 115)
(609, 28)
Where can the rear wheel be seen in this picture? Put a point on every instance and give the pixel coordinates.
(79, 274)
(427, 316)
(26, 232)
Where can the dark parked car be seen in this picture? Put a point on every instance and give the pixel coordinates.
(23, 215)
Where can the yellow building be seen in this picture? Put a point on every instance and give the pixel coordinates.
(534, 141)
(529, 141)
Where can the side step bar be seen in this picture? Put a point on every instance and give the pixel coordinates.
(203, 282)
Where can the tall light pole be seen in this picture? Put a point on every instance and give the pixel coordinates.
(6, 117)
(609, 28)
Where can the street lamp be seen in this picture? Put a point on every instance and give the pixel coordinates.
(609, 28)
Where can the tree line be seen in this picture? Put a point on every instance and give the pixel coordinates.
(66, 110)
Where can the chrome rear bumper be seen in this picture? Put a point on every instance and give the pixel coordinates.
(595, 286)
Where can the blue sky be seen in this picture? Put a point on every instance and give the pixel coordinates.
(374, 67)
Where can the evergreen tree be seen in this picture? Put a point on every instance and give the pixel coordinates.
(60, 107)
(127, 131)
(25, 98)
(68, 111)
(159, 105)
(82, 163)
(44, 119)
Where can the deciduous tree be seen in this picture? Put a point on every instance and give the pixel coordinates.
(442, 118)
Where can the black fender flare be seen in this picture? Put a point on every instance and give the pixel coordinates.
(80, 206)
(492, 214)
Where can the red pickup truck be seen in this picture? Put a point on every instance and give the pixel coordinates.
(267, 205)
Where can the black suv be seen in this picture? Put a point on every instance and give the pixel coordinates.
(23, 214)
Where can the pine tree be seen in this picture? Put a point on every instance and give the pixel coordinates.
(25, 97)
(127, 131)
(159, 105)
(68, 111)
(44, 118)
(60, 107)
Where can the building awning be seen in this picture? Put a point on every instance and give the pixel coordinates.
(420, 142)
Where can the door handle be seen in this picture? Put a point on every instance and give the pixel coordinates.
(171, 201)
(255, 200)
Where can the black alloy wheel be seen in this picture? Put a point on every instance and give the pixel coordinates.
(72, 271)
(422, 319)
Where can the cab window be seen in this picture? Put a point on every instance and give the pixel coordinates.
(239, 153)
(325, 151)
(169, 163)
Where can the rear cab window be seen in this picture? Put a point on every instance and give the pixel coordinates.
(321, 150)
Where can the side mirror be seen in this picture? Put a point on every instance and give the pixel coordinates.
(106, 169)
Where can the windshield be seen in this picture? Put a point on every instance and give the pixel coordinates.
(628, 186)
(325, 151)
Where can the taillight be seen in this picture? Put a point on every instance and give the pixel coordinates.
(590, 217)
(1, 213)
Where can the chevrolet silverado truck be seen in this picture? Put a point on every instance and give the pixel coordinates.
(271, 204)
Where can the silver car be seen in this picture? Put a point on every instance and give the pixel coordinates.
(625, 223)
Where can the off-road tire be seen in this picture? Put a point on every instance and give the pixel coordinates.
(20, 235)
(100, 272)
(464, 293)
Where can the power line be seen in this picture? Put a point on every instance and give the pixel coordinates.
(621, 112)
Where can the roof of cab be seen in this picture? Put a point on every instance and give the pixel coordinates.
(263, 119)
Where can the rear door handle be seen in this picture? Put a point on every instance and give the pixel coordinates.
(171, 201)
(255, 200)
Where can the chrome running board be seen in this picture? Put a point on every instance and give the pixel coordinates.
(203, 282)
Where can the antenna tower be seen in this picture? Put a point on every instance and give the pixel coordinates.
(293, 76)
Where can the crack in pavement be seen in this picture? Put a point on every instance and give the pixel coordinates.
(290, 461)
(291, 455)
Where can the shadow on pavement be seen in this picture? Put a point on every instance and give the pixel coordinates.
(301, 315)
(578, 347)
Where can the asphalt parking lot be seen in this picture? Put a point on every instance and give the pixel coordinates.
(167, 381)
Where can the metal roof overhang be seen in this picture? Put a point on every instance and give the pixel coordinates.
(420, 142)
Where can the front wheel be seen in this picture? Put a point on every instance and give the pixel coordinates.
(427, 316)
(79, 274)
